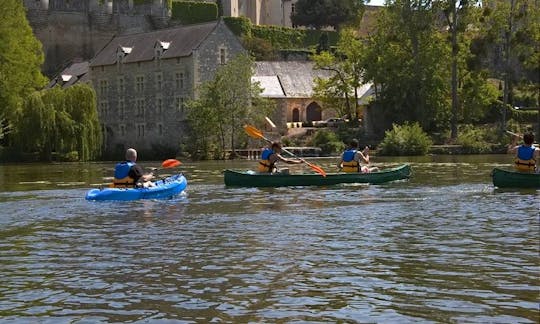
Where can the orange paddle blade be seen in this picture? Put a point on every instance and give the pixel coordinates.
(316, 168)
(253, 132)
(171, 163)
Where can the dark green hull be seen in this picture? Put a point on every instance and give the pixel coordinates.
(513, 179)
(252, 179)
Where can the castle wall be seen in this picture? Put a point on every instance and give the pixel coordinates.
(80, 28)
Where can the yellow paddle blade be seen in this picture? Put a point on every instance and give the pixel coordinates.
(170, 163)
(253, 132)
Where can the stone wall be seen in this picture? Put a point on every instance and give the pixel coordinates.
(79, 28)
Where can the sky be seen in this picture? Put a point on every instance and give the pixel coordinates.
(376, 2)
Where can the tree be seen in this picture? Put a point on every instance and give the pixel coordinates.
(512, 40)
(347, 70)
(323, 13)
(455, 12)
(224, 105)
(81, 106)
(21, 57)
(61, 121)
(407, 60)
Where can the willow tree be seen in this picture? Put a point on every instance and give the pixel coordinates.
(21, 57)
(36, 126)
(61, 121)
(82, 108)
(224, 105)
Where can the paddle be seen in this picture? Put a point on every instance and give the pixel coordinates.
(168, 164)
(255, 133)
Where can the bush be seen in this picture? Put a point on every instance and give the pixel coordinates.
(476, 140)
(328, 142)
(189, 12)
(407, 139)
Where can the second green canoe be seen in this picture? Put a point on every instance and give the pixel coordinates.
(254, 179)
(513, 179)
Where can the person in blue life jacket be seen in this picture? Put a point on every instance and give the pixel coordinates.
(270, 156)
(351, 159)
(129, 174)
(527, 156)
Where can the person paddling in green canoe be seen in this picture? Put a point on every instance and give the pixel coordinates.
(527, 156)
(129, 174)
(352, 159)
(270, 156)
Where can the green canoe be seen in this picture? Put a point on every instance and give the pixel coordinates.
(254, 179)
(513, 179)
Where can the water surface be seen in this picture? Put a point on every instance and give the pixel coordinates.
(444, 246)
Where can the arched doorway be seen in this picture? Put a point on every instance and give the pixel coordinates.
(313, 112)
(295, 115)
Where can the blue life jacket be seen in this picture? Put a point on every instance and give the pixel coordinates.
(525, 152)
(349, 164)
(121, 175)
(525, 161)
(348, 155)
(264, 164)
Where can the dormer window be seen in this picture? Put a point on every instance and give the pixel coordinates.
(66, 77)
(160, 47)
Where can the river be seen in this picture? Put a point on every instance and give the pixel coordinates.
(442, 247)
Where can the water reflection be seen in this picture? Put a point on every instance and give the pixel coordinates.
(442, 247)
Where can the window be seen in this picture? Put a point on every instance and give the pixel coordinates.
(159, 106)
(121, 87)
(140, 130)
(222, 56)
(122, 130)
(121, 109)
(159, 81)
(140, 107)
(103, 108)
(179, 104)
(160, 129)
(139, 83)
(179, 79)
(103, 85)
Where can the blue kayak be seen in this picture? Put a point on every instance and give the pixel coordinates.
(165, 188)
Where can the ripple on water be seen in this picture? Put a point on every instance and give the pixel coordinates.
(400, 252)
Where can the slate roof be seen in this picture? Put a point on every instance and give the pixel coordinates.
(295, 80)
(295, 77)
(182, 41)
(76, 72)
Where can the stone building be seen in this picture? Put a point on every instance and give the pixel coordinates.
(143, 80)
(290, 84)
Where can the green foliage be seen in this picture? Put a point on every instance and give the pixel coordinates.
(61, 121)
(327, 141)
(225, 103)
(477, 97)
(279, 37)
(21, 57)
(240, 26)
(259, 48)
(190, 12)
(407, 58)
(476, 140)
(346, 65)
(322, 13)
(407, 139)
